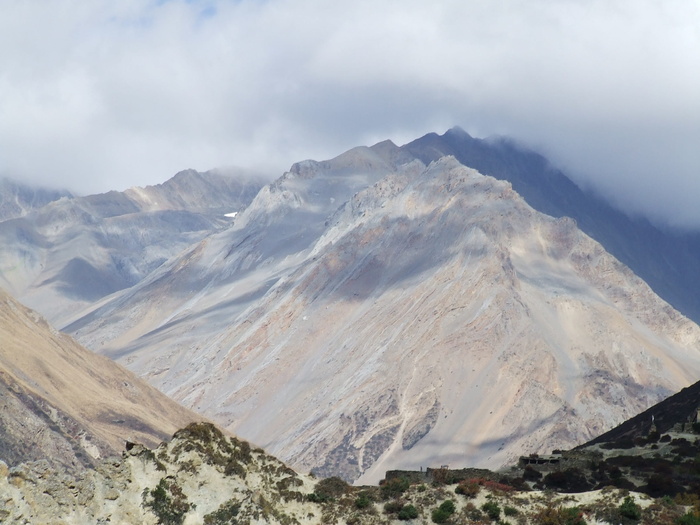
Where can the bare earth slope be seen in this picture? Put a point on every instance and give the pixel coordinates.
(62, 403)
(432, 318)
(72, 252)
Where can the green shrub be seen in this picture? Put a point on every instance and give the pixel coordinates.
(448, 506)
(392, 507)
(363, 501)
(492, 510)
(224, 515)
(333, 486)
(167, 502)
(443, 512)
(569, 480)
(510, 511)
(318, 498)
(408, 512)
(440, 516)
(630, 510)
(330, 488)
(688, 519)
(393, 488)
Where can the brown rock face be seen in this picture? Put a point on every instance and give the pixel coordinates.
(61, 403)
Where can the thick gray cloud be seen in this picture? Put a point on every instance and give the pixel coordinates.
(102, 94)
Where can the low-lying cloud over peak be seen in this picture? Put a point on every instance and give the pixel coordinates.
(101, 95)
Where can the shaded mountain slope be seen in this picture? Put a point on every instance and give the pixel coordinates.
(17, 199)
(64, 404)
(368, 312)
(72, 252)
(669, 261)
(680, 409)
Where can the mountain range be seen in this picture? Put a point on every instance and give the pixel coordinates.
(73, 251)
(382, 308)
(450, 301)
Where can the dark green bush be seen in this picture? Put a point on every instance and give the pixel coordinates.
(331, 488)
(448, 506)
(688, 519)
(224, 515)
(392, 507)
(167, 502)
(492, 510)
(319, 498)
(440, 516)
(409, 512)
(630, 510)
(393, 488)
(510, 511)
(530, 474)
(569, 480)
(363, 501)
(443, 512)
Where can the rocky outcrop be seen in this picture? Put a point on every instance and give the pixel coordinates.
(200, 476)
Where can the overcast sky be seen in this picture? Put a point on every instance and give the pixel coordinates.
(104, 94)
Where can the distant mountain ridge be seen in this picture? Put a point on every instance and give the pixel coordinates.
(18, 199)
(668, 261)
(72, 252)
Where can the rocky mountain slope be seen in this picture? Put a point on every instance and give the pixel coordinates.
(66, 405)
(667, 259)
(370, 312)
(72, 252)
(17, 199)
(680, 411)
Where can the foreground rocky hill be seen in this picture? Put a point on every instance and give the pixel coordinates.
(204, 477)
(66, 405)
(371, 312)
(71, 252)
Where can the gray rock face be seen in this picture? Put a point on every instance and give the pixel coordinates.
(371, 312)
(72, 252)
(17, 199)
